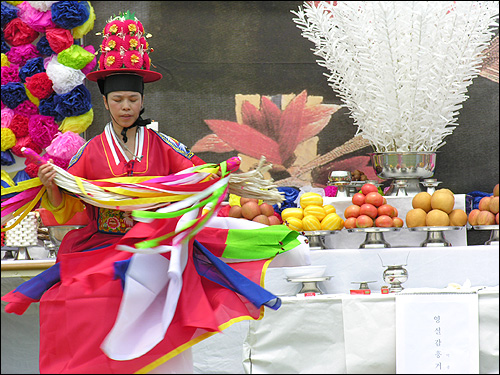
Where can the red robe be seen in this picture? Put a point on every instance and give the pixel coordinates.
(78, 312)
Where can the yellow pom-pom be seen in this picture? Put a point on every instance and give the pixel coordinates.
(8, 139)
(77, 124)
(5, 60)
(16, 3)
(32, 98)
(80, 31)
(234, 200)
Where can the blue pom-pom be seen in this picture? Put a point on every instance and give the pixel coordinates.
(5, 46)
(47, 107)
(7, 158)
(13, 94)
(74, 103)
(290, 195)
(43, 47)
(9, 12)
(70, 14)
(32, 67)
(21, 176)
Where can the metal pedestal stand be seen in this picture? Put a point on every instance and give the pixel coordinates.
(374, 237)
(435, 235)
(310, 285)
(494, 233)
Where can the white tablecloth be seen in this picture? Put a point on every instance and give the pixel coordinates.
(322, 334)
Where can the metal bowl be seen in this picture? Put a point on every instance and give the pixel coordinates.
(403, 165)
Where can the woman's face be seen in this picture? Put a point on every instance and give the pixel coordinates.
(125, 107)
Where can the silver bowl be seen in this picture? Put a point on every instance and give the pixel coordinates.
(403, 165)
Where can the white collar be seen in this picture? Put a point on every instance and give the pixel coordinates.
(116, 146)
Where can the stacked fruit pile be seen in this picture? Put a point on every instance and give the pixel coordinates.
(436, 210)
(312, 215)
(250, 209)
(487, 212)
(369, 208)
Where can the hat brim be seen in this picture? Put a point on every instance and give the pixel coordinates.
(147, 75)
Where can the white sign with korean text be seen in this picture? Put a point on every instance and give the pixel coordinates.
(437, 333)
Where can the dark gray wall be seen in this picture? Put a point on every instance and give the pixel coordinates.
(209, 51)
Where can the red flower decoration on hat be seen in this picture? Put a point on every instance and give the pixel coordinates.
(112, 60)
(112, 43)
(130, 27)
(113, 28)
(147, 61)
(144, 43)
(131, 43)
(140, 27)
(133, 60)
(17, 33)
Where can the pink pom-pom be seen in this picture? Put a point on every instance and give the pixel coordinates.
(42, 129)
(7, 116)
(65, 145)
(26, 108)
(331, 191)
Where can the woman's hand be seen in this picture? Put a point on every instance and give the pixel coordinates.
(46, 174)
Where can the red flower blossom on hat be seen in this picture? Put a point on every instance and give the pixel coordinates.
(113, 28)
(17, 33)
(130, 27)
(133, 60)
(112, 43)
(131, 43)
(147, 61)
(112, 60)
(39, 85)
(144, 43)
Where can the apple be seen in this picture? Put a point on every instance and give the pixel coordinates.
(496, 218)
(495, 191)
(364, 221)
(397, 222)
(374, 198)
(386, 209)
(350, 223)
(351, 211)
(473, 216)
(493, 206)
(368, 188)
(368, 209)
(485, 218)
(384, 221)
(358, 199)
(484, 204)
(274, 220)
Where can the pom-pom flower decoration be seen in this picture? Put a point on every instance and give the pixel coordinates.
(33, 35)
(401, 68)
(124, 44)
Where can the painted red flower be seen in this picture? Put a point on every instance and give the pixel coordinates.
(268, 131)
